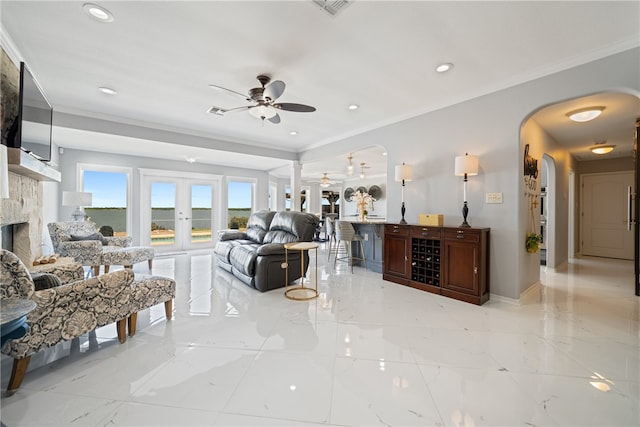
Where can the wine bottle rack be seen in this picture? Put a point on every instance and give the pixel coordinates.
(425, 261)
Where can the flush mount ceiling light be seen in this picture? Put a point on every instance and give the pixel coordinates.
(602, 148)
(98, 13)
(443, 68)
(353, 107)
(585, 114)
(107, 90)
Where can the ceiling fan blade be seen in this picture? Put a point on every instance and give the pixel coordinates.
(274, 90)
(275, 119)
(246, 107)
(229, 90)
(299, 108)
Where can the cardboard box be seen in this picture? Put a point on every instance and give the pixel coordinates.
(431, 219)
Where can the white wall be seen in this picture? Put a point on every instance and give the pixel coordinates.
(488, 126)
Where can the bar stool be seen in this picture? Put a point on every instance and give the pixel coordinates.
(331, 236)
(347, 234)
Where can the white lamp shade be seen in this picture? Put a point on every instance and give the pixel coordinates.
(404, 172)
(466, 164)
(262, 111)
(4, 172)
(74, 198)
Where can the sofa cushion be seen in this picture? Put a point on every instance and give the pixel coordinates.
(223, 248)
(243, 258)
(258, 225)
(290, 226)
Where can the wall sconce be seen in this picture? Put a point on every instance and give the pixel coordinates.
(466, 166)
(4, 172)
(403, 173)
(77, 199)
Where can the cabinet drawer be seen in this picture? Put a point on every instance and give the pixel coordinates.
(426, 232)
(463, 235)
(398, 230)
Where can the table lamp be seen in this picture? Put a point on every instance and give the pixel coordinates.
(403, 173)
(77, 199)
(466, 166)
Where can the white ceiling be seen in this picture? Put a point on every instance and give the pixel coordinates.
(161, 56)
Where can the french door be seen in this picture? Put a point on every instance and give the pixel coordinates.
(179, 213)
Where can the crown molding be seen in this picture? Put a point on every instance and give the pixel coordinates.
(9, 46)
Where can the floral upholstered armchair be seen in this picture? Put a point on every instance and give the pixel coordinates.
(62, 312)
(81, 241)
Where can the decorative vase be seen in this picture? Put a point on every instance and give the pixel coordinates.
(362, 210)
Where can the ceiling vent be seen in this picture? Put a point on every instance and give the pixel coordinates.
(333, 7)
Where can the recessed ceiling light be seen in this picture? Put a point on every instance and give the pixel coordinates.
(443, 68)
(98, 13)
(585, 114)
(293, 132)
(354, 107)
(107, 90)
(384, 153)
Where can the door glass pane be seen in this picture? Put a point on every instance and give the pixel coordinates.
(109, 200)
(287, 198)
(163, 216)
(239, 203)
(201, 204)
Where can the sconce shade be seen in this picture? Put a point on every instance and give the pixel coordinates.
(404, 172)
(73, 198)
(4, 172)
(466, 165)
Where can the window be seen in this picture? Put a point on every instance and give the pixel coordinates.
(239, 203)
(109, 189)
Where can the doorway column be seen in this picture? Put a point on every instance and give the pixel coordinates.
(296, 181)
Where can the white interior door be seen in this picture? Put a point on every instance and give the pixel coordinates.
(180, 213)
(605, 215)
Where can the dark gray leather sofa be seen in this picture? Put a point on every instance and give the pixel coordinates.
(256, 256)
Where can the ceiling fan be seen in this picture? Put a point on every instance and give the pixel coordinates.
(324, 181)
(262, 99)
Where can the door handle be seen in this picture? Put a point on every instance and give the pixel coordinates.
(630, 217)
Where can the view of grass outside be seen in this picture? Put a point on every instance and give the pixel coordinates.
(239, 204)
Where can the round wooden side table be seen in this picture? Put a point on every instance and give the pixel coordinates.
(301, 292)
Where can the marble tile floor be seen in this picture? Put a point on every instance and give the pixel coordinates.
(365, 353)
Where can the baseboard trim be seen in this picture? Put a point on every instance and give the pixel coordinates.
(530, 295)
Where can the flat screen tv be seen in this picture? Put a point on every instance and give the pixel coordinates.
(32, 127)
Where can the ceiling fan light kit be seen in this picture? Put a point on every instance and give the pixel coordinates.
(263, 99)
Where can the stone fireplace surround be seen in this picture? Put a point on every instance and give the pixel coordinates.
(24, 208)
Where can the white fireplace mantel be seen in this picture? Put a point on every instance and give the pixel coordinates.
(23, 163)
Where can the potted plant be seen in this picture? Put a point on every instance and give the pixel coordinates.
(532, 242)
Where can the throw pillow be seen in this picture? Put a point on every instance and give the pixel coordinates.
(45, 281)
(94, 236)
